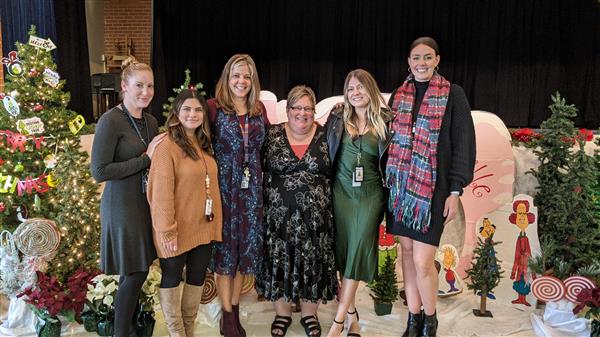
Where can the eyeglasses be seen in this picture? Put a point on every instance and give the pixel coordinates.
(305, 108)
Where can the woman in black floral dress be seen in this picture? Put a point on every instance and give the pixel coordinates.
(299, 260)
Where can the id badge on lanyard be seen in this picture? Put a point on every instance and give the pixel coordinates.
(358, 174)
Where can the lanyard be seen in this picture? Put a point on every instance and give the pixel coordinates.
(246, 141)
(135, 125)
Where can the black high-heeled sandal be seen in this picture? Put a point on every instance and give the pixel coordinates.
(280, 323)
(353, 334)
(311, 326)
(340, 323)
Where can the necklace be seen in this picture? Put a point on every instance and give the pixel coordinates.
(209, 202)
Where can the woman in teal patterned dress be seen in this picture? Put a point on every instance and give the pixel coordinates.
(357, 138)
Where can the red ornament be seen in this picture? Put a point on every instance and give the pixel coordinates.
(38, 107)
(2, 95)
(2, 207)
(33, 72)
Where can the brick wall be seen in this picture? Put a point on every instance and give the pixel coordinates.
(128, 18)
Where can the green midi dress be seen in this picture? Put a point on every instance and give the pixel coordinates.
(358, 210)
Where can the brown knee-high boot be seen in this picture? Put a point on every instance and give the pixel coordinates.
(170, 302)
(192, 296)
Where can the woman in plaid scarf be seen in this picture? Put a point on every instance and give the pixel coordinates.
(431, 159)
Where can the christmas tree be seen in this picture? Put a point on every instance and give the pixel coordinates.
(168, 107)
(43, 172)
(567, 178)
(384, 288)
(485, 273)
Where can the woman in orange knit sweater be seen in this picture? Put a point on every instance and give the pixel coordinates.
(186, 209)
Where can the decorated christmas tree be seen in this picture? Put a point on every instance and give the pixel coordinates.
(167, 107)
(568, 179)
(43, 172)
(485, 273)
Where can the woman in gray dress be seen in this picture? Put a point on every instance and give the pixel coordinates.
(124, 142)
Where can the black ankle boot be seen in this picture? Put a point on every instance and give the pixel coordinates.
(414, 325)
(430, 324)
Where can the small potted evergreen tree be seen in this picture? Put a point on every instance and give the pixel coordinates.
(485, 273)
(384, 290)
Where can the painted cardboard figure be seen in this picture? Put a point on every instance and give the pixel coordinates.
(448, 257)
(487, 228)
(522, 219)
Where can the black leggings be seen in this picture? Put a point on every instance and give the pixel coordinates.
(196, 261)
(126, 302)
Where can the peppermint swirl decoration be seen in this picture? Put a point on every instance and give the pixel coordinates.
(37, 237)
(548, 288)
(575, 284)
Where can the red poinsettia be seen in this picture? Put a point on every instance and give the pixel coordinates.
(49, 298)
(589, 298)
(585, 134)
(525, 135)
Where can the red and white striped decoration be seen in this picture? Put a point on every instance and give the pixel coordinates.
(575, 284)
(548, 288)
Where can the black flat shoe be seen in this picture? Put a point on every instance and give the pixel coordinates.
(280, 323)
(311, 326)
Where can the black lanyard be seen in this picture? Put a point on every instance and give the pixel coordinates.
(135, 125)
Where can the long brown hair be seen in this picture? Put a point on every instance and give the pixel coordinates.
(374, 109)
(223, 94)
(176, 130)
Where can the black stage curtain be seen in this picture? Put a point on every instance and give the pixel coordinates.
(509, 55)
(63, 21)
(73, 54)
(17, 18)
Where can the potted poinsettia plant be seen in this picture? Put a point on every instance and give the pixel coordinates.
(590, 299)
(99, 301)
(384, 290)
(49, 299)
(148, 299)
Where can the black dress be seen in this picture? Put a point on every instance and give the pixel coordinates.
(299, 253)
(126, 244)
(456, 161)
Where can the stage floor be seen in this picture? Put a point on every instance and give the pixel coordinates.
(454, 313)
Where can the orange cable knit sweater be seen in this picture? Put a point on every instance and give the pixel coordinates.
(177, 196)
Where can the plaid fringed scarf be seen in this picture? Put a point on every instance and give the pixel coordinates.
(412, 165)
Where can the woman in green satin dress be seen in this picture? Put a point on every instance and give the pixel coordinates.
(357, 138)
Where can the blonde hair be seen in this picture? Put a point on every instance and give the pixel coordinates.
(374, 109)
(223, 94)
(131, 66)
(297, 93)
